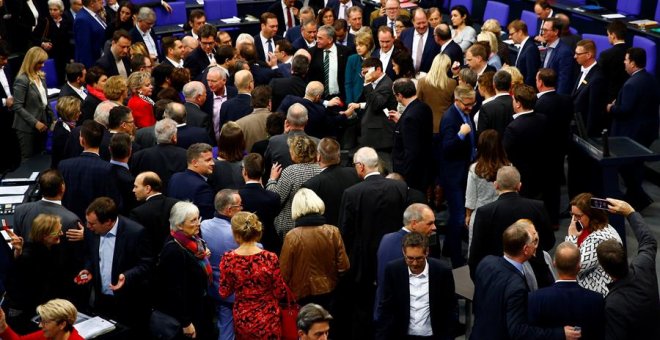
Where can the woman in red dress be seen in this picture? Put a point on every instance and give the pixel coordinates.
(253, 274)
(139, 83)
(57, 319)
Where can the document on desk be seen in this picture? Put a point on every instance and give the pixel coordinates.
(94, 327)
(16, 199)
(613, 16)
(14, 190)
(32, 178)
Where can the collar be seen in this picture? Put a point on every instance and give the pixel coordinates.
(92, 13)
(181, 125)
(113, 231)
(515, 263)
(351, 31)
(524, 41)
(522, 113)
(224, 95)
(122, 164)
(482, 70)
(423, 274)
(500, 94)
(115, 7)
(386, 53)
(149, 197)
(332, 49)
(459, 110)
(423, 35)
(58, 202)
(553, 44)
(264, 39)
(558, 280)
(141, 32)
(587, 69)
(443, 46)
(180, 63)
(375, 82)
(372, 174)
(636, 71)
(538, 95)
(251, 181)
(73, 87)
(198, 174)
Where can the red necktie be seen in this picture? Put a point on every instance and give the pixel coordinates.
(289, 19)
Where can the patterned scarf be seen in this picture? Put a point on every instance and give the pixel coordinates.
(96, 93)
(197, 247)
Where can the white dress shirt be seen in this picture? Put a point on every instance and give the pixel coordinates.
(148, 41)
(416, 38)
(333, 86)
(420, 308)
(385, 57)
(178, 64)
(5, 85)
(585, 71)
(78, 91)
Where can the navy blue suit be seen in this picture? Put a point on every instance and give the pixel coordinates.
(188, 135)
(590, 99)
(299, 43)
(500, 304)
(266, 204)
(329, 185)
(561, 60)
(528, 61)
(320, 122)
(261, 54)
(388, 251)
(107, 63)
(89, 38)
(263, 74)
(635, 113)
(413, 136)
(284, 69)
(350, 42)
(389, 69)
(454, 52)
(236, 108)
(189, 185)
(565, 303)
(431, 49)
(293, 33)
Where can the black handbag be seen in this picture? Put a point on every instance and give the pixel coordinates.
(163, 326)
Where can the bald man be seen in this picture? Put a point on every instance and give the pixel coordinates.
(241, 105)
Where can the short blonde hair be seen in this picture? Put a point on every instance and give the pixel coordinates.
(246, 227)
(68, 107)
(59, 310)
(516, 76)
(302, 149)
(366, 39)
(44, 225)
(136, 80)
(490, 38)
(306, 202)
(139, 48)
(492, 25)
(115, 87)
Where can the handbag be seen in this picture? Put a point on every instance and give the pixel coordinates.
(163, 326)
(289, 315)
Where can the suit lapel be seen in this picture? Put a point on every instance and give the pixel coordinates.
(118, 255)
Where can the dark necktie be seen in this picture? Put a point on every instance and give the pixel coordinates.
(270, 46)
(326, 71)
(289, 19)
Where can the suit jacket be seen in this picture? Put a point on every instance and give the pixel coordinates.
(389, 250)
(67, 90)
(456, 153)
(369, 210)
(562, 61)
(376, 128)
(188, 135)
(276, 8)
(208, 104)
(266, 204)
(558, 111)
(137, 37)
(335, 5)
(395, 306)
(197, 62)
(123, 180)
(353, 83)
(321, 122)
(284, 69)
(566, 303)
(189, 185)
(154, 215)
(431, 49)
(525, 142)
(295, 85)
(89, 38)
(26, 213)
(389, 69)
(492, 219)
(350, 42)
(292, 34)
(198, 118)
(72, 148)
(500, 304)
(496, 114)
(88, 107)
(254, 126)
(316, 66)
(278, 149)
(611, 63)
(236, 108)
(411, 152)
(146, 137)
(163, 159)
(329, 185)
(28, 107)
(87, 177)
(454, 52)
(263, 74)
(261, 54)
(635, 112)
(108, 64)
(300, 42)
(528, 61)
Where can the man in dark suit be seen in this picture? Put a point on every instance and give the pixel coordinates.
(73, 148)
(337, 55)
(634, 115)
(305, 14)
(369, 210)
(294, 85)
(217, 93)
(264, 203)
(590, 90)
(12, 158)
(121, 42)
(241, 105)
(321, 120)
(611, 59)
(525, 141)
(417, 218)
(491, 219)
(565, 302)
(497, 113)
(386, 50)
(87, 176)
(559, 56)
(342, 36)
(448, 46)
(457, 150)
(120, 149)
(330, 184)
(413, 283)
(528, 59)
(191, 184)
(631, 306)
(284, 52)
(195, 94)
(185, 135)
(392, 8)
(264, 41)
(165, 158)
(422, 59)
(286, 12)
(89, 32)
(75, 85)
(278, 146)
(205, 54)
(412, 137)
(340, 7)
(142, 32)
(307, 39)
(119, 261)
(500, 290)
(173, 50)
(154, 212)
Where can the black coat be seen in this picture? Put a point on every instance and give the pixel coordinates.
(282, 87)
(526, 144)
(611, 63)
(266, 204)
(496, 115)
(107, 63)
(236, 108)
(123, 180)
(154, 215)
(411, 154)
(316, 66)
(329, 185)
(163, 159)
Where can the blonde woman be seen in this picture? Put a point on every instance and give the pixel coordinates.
(140, 102)
(494, 59)
(516, 76)
(68, 110)
(56, 316)
(115, 89)
(436, 89)
(492, 25)
(364, 45)
(31, 110)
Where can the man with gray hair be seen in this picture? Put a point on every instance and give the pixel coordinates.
(313, 322)
(218, 235)
(328, 63)
(142, 32)
(321, 122)
(306, 14)
(277, 151)
(369, 210)
(186, 135)
(217, 93)
(164, 158)
(195, 94)
(72, 148)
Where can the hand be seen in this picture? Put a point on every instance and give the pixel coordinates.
(609, 106)
(465, 129)
(370, 77)
(120, 283)
(272, 60)
(336, 101)
(9, 102)
(455, 68)
(166, 6)
(620, 207)
(467, 221)
(46, 46)
(572, 228)
(189, 331)
(394, 116)
(3, 321)
(295, 11)
(83, 277)
(41, 126)
(16, 242)
(276, 171)
(354, 106)
(571, 333)
(74, 235)
(382, 11)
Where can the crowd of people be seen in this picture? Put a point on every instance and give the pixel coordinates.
(197, 181)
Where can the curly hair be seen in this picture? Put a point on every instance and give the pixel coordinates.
(246, 227)
(302, 149)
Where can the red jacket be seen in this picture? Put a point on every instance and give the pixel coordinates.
(143, 112)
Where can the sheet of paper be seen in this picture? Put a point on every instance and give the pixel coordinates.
(32, 178)
(11, 199)
(613, 16)
(14, 190)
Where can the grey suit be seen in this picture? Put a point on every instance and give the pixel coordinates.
(27, 212)
(29, 108)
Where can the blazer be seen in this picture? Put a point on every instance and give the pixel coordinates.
(88, 107)
(266, 204)
(292, 34)
(163, 159)
(196, 117)
(611, 64)
(72, 148)
(500, 304)
(67, 90)
(301, 43)
(635, 112)
(259, 47)
(389, 69)
(284, 69)
(334, 4)
(389, 250)
(235, 108)
(197, 62)
(123, 180)
(329, 185)
(439, 100)
(276, 8)
(350, 42)
(87, 177)
(188, 135)
(454, 52)
(376, 129)
(60, 137)
(254, 126)
(562, 61)
(493, 218)
(354, 81)
(28, 107)
(320, 122)
(26, 213)
(191, 186)
(137, 37)
(89, 38)
(208, 104)
(294, 85)
(558, 110)
(278, 149)
(496, 114)
(566, 303)
(316, 66)
(154, 215)
(525, 142)
(108, 64)
(395, 306)
(455, 153)
(413, 140)
(431, 49)
(528, 61)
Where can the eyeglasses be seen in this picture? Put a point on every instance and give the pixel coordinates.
(466, 104)
(357, 163)
(578, 216)
(209, 43)
(236, 206)
(56, 233)
(41, 321)
(415, 258)
(129, 121)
